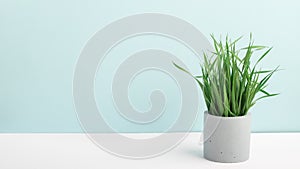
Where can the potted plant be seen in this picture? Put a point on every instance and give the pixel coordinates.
(231, 85)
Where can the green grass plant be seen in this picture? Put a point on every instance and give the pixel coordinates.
(229, 82)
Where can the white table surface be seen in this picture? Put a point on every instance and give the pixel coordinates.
(76, 151)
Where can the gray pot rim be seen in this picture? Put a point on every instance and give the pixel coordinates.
(228, 118)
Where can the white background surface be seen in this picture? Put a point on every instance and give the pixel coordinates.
(76, 151)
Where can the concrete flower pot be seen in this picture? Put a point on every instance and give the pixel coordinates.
(227, 139)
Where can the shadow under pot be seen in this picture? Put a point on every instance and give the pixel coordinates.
(226, 139)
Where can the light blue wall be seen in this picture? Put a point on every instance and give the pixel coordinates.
(40, 42)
